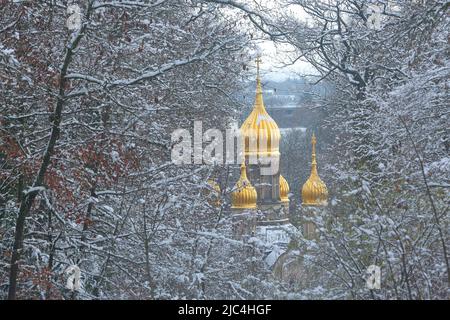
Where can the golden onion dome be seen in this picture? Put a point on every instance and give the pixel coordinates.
(244, 196)
(214, 193)
(314, 191)
(260, 132)
(284, 189)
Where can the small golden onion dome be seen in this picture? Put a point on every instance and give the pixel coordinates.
(314, 191)
(214, 193)
(260, 132)
(284, 189)
(244, 195)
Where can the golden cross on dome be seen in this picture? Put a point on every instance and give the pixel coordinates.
(258, 61)
(313, 143)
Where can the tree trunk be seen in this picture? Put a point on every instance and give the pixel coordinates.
(28, 199)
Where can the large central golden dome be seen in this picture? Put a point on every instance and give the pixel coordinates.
(260, 132)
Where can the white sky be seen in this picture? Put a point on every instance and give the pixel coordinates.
(274, 58)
